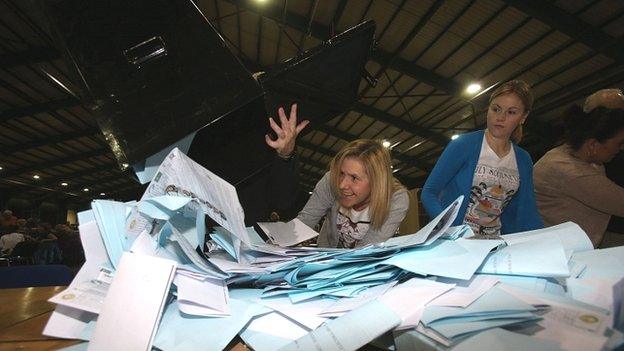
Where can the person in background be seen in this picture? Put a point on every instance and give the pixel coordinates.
(490, 170)
(570, 180)
(8, 219)
(362, 201)
(10, 240)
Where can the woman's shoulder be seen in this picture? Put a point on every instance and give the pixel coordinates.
(400, 195)
(561, 161)
(469, 138)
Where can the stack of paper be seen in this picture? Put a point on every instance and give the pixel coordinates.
(435, 288)
(494, 309)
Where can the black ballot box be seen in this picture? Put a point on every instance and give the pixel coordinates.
(156, 71)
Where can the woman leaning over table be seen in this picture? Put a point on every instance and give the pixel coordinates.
(492, 172)
(360, 198)
(570, 180)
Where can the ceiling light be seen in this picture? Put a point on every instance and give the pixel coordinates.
(64, 184)
(473, 88)
(0, 168)
(36, 176)
(85, 189)
(386, 143)
(455, 136)
(309, 192)
(102, 194)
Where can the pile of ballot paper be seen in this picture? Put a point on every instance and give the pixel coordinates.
(152, 279)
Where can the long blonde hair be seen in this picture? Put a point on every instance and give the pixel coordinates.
(523, 91)
(376, 161)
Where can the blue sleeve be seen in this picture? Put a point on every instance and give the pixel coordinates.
(447, 167)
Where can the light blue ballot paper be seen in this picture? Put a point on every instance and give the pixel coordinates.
(110, 217)
(454, 331)
(145, 170)
(183, 332)
(85, 216)
(572, 237)
(495, 301)
(452, 259)
(543, 258)
(601, 263)
(350, 331)
(501, 339)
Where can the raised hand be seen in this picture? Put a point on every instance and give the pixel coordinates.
(286, 133)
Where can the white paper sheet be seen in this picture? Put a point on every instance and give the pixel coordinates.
(134, 304)
(288, 233)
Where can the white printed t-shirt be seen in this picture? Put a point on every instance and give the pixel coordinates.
(352, 225)
(494, 183)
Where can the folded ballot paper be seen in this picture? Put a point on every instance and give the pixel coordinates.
(436, 288)
(133, 304)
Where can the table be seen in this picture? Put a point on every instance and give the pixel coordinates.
(24, 313)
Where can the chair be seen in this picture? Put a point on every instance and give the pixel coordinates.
(39, 275)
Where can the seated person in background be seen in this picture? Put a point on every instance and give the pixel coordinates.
(570, 180)
(492, 172)
(363, 202)
(10, 240)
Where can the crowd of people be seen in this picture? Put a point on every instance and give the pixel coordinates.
(28, 241)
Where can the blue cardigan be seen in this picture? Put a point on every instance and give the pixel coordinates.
(453, 174)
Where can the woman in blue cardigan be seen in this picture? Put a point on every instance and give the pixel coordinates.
(493, 173)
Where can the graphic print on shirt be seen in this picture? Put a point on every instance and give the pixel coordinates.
(351, 225)
(495, 182)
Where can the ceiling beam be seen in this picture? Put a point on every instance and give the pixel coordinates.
(71, 176)
(50, 140)
(571, 26)
(30, 110)
(408, 160)
(56, 162)
(31, 55)
(400, 123)
(323, 32)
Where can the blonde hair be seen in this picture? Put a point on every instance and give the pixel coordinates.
(376, 161)
(522, 90)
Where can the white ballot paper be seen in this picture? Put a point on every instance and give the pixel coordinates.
(178, 175)
(350, 331)
(134, 304)
(288, 233)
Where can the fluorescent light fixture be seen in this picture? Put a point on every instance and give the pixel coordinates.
(36, 176)
(64, 184)
(59, 83)
(473, 88)
(455, 136)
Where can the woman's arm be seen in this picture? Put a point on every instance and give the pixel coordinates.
(319, 203)
(444, 170)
